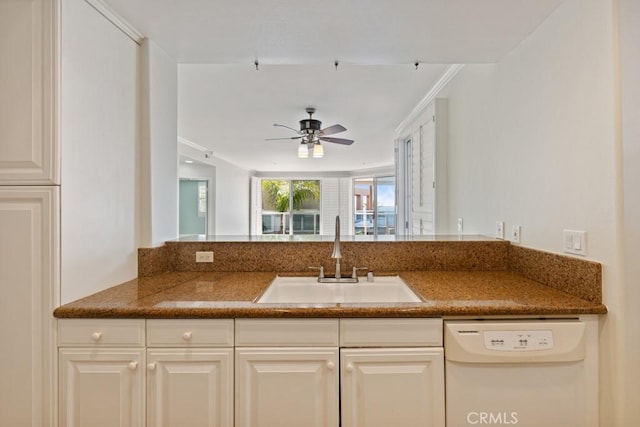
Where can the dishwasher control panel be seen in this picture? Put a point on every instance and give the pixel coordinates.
(518, 340)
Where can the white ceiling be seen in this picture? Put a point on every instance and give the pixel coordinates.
(229, 107)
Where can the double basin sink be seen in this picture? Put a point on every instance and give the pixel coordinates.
(301, 290)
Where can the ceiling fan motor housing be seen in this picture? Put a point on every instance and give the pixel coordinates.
(310, 125)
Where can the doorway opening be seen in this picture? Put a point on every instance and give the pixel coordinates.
(194, 206)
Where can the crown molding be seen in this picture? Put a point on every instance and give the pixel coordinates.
(430, 96)
(193, 145)
(106, 11)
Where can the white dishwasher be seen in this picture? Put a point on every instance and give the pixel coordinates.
(524, 373)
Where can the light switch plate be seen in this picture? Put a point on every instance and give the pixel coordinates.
(460, 225)
(500, 230)
(515, 234)
(574, 242)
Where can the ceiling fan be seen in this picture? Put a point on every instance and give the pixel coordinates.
(311, 134)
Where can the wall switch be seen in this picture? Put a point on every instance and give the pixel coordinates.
(460, 225)
(499, 229)
(575, 241)
(515, 234)
(204, 256)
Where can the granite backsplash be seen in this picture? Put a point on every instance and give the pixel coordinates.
(572, 275)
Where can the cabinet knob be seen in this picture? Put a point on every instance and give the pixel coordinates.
(96, 336)
(349, 367)
(132, 365)
(187, 336)
(330, 365)
(151, 366)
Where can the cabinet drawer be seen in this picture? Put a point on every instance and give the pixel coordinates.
(101, 332)
(286, 332)
(190, 333)
(390, 332)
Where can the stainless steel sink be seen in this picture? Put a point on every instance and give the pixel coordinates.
(385, 289)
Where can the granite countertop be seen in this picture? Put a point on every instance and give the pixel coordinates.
(231, 295)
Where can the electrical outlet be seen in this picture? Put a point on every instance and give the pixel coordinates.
(515, 234)
(500, 230)
(206, 256)
(460, 225)
(575, 242)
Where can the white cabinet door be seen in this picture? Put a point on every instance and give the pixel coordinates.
(190, 387)
(29, 291)
(101, 387)
(28, 153)
(287, 387)
(392, 387)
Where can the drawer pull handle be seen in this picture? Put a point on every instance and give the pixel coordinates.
(187, 336)
(133, 366)
(96, 336)
(330, 365)
(349, 367)
(151, 366)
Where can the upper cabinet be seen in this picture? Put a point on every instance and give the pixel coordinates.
(28, 44)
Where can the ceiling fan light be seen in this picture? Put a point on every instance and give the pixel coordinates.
(318, 151)
(303, 151)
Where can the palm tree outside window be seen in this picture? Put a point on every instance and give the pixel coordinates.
(290, 206)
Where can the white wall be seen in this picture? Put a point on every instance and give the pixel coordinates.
(159, 146)
(629, 29)
(528, 132)
(232, 199)
(533, 142)
(555, 129)
(470, 164)
(99, 149)
(232, 185)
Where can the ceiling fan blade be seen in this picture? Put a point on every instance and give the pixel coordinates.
(284, 126)
(282, 139)
(333, 129)
(337, 140)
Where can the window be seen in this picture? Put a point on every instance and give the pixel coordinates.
(374, 210)
(290, 206)
(202, 198)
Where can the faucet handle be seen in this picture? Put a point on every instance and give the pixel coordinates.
(321, 273)
(354, 271)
